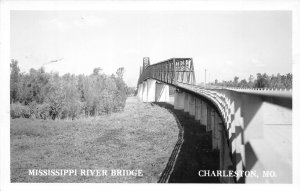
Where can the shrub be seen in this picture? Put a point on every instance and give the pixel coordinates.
(42, 111)
(18, 110)
(71, 110)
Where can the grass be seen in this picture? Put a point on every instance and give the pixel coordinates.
(141, 137)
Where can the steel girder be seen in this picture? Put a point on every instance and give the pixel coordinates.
(171, 71)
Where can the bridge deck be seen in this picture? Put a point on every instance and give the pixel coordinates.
(240, 119)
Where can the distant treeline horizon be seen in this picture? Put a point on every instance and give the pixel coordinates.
(42, 95)
(264, 80)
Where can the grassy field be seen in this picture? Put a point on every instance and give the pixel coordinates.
(141, 137)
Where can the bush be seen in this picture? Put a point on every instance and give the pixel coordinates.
(18, 110)
(71, 110)
(42, 111)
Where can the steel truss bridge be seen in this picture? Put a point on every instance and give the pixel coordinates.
(251, 128)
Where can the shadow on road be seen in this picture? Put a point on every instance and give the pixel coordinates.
(196, 151)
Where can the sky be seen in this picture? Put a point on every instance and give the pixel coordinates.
(225, 43)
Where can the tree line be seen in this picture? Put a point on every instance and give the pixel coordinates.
(43, 95)
(261, 81)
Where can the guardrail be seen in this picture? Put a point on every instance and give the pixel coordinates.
(257, 126)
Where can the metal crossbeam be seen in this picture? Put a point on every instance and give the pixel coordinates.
(171, 71)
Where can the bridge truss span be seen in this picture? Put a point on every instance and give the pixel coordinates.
(171, 71)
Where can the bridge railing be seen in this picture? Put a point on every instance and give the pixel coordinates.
(250, 127)
(270, 92)
(257, 126)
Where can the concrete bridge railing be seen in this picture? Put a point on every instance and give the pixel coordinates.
(255, 127)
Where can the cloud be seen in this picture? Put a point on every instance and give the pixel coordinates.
(131, 51)
(229, 63)
(53, 61)
(256, 63)
(89, 21)
(74, 23)
(57, 24)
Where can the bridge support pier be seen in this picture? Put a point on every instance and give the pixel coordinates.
(186, 102)
(192, 105)
(179, 99)
(197, 109)
(162, 92)
(203, 119)
(145, 92)
(151, 90)
(140, 92)
(225, 161)
(209, 118)
(217, 124)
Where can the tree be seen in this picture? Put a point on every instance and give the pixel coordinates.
(236, 81)
(97, 70)
(262, 81)
(35, 86)
(14, 80)
(120, 72)
(243, 84)
(251, 81)
(48, 95)
(289, 81)
(56, 98)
